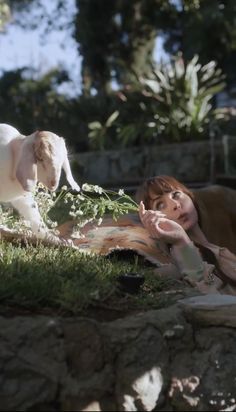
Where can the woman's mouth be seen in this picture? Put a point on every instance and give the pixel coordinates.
(183, 217)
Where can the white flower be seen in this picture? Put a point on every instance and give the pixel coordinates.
(98, 189)
(79, 213)
(69, 196)
(99, 221)
(95, 209)
(151, 124)
(121, 192)
(87, 188)
(64, 187)
(80, 197)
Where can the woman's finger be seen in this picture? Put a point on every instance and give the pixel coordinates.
(141, 209)
(151, 224)
(148, 219)
(150, 215)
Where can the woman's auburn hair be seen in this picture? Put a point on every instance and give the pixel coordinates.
(159, 185)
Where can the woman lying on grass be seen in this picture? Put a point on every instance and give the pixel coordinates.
(170, 213)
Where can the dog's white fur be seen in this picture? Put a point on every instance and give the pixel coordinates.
(24, 160)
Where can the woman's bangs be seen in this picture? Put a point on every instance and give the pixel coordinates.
(161, 186)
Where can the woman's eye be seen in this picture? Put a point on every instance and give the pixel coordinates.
(159, 206)
(176, 195)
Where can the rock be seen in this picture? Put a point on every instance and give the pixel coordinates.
(32, 361)
(211, 309)
(179, 358)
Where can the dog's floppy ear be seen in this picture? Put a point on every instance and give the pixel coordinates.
(41, 145)
(26, 168)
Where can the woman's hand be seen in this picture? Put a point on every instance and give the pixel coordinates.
(160, 227)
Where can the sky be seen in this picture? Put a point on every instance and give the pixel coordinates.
(19, 48)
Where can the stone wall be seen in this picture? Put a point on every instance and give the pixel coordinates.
(189, 162)
(179, 358)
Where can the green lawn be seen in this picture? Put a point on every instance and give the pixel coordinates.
(62, 280)
(66, 281)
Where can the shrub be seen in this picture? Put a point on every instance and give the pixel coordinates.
(181, 98)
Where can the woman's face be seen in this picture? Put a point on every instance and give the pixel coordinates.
(177, 206)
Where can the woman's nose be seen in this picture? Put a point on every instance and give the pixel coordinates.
(176, 205)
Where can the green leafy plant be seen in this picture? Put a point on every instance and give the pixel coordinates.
(99, 132)
(90, 204)
(173, 104)
(180, 97)
(94, 202)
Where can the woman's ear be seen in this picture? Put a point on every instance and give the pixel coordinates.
(26, 170)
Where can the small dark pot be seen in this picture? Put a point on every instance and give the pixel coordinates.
(130, 282)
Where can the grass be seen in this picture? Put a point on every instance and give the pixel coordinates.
(61, 279)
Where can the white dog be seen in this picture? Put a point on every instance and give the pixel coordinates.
(24, 160)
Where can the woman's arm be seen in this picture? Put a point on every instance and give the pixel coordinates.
(189, 261)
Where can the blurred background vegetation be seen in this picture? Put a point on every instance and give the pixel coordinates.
(126, 98)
